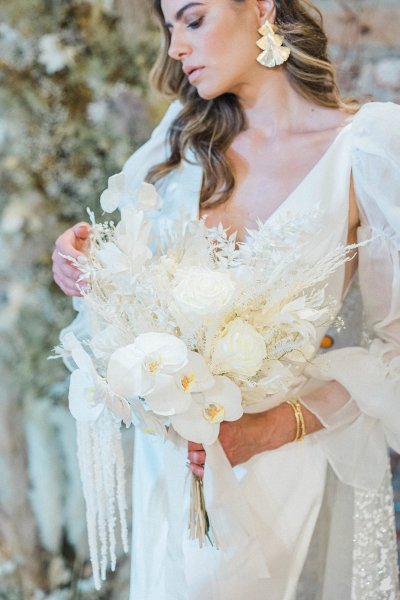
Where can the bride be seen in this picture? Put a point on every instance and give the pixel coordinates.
(258, 130)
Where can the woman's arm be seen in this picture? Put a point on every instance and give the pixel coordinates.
(267, 430)
(358, 428)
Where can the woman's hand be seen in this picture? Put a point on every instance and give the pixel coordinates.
(240, 440)
(196, 458)
(70, 243)
(245, 437)
(254, 433)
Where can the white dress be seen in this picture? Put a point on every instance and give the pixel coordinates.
(323, 508)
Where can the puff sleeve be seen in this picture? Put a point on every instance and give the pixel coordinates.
(152, 152)
(135, 169)
(358, 450)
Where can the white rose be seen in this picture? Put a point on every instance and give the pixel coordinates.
(202, 291)
(240, 351)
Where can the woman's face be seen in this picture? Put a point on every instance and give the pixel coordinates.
(215, 40)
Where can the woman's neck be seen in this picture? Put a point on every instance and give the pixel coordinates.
(272, 106)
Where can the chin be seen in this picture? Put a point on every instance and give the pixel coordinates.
(208, 93)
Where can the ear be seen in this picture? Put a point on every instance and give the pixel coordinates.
(266, 11)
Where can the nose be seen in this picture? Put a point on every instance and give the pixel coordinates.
(179, 48)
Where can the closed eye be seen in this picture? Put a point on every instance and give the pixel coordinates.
(195, 24)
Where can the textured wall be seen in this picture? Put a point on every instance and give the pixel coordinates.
(365, 44)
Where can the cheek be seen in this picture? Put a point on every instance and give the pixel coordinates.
(214, 45)
(231, 54)
(228, 54)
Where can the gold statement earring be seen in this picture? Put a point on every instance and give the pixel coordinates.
(273, 53)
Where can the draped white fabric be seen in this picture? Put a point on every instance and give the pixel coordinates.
(357, 452)
(312, 523)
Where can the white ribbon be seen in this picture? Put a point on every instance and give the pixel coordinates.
(232, 520)
(240, 547)
(176, 488)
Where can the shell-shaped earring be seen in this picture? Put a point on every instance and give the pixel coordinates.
(273, 53)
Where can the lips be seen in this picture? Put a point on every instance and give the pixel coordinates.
(192, 72)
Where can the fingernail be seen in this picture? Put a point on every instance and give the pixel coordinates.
(82, 259)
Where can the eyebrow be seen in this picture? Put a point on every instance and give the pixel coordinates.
(182, 10)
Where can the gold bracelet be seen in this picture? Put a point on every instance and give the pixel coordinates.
(302, 423)
(298, 413)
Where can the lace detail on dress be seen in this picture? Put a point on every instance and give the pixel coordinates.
(375, 571)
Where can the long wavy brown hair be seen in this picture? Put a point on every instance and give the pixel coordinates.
(208, 127)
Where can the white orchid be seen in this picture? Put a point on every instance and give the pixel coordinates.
(145, 369)
(163, 352)
(126, 373)
(89, 393)
(144, 418)
(201, 422)
(172, 393)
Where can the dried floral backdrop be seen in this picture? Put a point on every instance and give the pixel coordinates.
(75, 104)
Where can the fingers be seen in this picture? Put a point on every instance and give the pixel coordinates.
(81, 230)
(74, 240)
(69, 288)
(64, 267)
(194, 446)
(70, 243)
(196, 453)
(197, 470)
(66, 275)
(198, 457)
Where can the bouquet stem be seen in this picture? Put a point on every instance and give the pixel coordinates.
(199, 523)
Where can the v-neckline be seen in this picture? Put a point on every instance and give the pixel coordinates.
(314, 167)
(304, 179)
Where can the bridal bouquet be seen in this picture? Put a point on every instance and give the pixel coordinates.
(183, 337)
